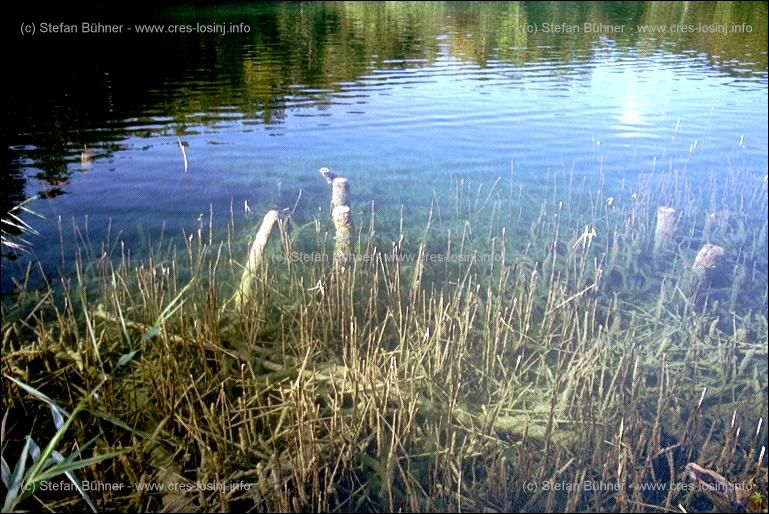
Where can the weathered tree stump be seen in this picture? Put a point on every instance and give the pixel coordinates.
(706, 264)
(340, 192)
(666, 227)
(705, 270)
(255, 259)
(342, 215)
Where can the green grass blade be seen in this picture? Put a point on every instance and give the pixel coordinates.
(37, 468)
(58, 419)
(34, 449)
(120, 315)
(118, 423)
(79, 486)
(37, 394)
(91, 332)
(5, 472)
(16, 478)
(172, 307)
(61, 468)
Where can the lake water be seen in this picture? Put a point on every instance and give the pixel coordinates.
(549, 319)
(397, 97)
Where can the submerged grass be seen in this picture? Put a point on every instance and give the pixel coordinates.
(510, 351)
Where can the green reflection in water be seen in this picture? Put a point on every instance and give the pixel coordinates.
(66, 94)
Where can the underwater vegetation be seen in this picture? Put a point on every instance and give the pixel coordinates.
(571, 348)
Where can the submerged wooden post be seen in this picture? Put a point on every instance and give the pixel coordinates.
(666, 226)
(340, 192)
(341, 214)
(327, 175)
(255, 258)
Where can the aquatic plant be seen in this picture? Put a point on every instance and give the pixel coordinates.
(47, 464)
(14, 228)
(498, 350)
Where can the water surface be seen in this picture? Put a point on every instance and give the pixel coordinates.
(399, 97)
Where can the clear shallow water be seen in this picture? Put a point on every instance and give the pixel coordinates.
(397, 97)
(416, 103)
